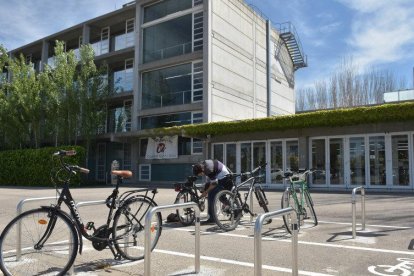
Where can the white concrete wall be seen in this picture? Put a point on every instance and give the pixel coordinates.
(238, 65)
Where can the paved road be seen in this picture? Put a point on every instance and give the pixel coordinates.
(327, 249)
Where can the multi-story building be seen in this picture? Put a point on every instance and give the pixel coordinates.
(176, 62)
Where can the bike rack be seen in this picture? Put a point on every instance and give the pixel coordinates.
(147, 243)
(19, 230)
(354, 191)
(258, 239)
(80, 204)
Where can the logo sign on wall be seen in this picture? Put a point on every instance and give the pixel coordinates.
(162, 148)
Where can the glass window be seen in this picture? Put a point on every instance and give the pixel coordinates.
(100, 161)
(336, 159)
(197, 146)
(276, 162)
(197, 117)
(168, 86)
(120, 119)
(168, 120)
(318, 161)
(184, 146)
(246, 157)
(292, 156)
(218, 152)
(400, 161)
(357, 160)
(143, 143)
(259, 156)
(127, 157)
(145, 172)
(168, 39)
(231, 157)
(377, 160)
(165, 8)
(123, 80)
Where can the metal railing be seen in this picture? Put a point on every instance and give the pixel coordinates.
(354, 191)
(19, 209)
(258, 239)
(147, 243)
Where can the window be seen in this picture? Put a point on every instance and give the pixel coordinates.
(120, 118)
(143, 143)
(357, 160)
(165, 8)
(126, 39)
(100, 161)
(377, 160)
(197, 146)
(197, 81)
(218, 152)
(197, 117)
(168, 39)
(145, 172)
(127, 157)
(166, 87)
(318, 161)
(336, 159)
(124, 79)
(246, 157)
(198, 31)
(276, 162)
(400, 160)
(168, 120)
(231, 157)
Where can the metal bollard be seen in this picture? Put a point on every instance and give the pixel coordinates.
(258, 239)
(147, 243)
(354, 191)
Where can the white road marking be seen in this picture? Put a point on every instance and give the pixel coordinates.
(372, 225)
(309, 243)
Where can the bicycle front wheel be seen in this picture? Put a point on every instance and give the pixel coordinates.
(22, 254)
(227, 210)
(128, 228)
(186, 215)
(309, 212)
(288, 201)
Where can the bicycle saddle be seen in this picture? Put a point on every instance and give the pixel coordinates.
(123, 174)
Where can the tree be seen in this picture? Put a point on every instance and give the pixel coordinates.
(348, 87)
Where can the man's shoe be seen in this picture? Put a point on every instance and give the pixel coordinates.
(209, 221)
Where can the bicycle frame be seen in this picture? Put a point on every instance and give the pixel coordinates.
(253, 184)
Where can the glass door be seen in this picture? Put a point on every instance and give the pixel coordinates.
(318, 162)
(336, 161)
(357, 161)
(377, 161)
(400, 161)
(276, 162)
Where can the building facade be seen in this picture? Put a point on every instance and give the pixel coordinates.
(177, 62)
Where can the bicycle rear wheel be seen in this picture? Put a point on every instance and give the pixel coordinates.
(186, 215)
(309, 212)
(128, 228)
(53, 257)
(288, 201)
(227, 210)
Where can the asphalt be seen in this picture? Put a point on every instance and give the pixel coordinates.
(383, 248)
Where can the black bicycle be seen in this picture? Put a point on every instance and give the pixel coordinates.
(46, 240)
(188, 192)
(229, 205)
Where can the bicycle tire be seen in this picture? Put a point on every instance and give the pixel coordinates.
(310, 211)
(285, 203)
(128, 230)
(227, 218)
(187, 215)
(51, 258)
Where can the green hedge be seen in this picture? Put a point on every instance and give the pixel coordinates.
(31, 167)
(324, 118)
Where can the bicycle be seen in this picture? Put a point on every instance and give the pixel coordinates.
(229, 206)
(48, 238)
(188, 192)
(303, 204)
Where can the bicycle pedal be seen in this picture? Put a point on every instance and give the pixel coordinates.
(90, 226)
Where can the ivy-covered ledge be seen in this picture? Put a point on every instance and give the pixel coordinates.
(386, 113)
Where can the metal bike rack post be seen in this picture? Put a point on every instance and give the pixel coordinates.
(147, 243)
(19, 230)
(258, 239)
(80, 204)
(354, 191)
(251, 204)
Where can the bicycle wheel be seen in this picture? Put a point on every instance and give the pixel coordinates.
(261, 198)
(186, 215)
(309, 212)
(128, 228)
(227, 210)
(54, 257)
(288, 201)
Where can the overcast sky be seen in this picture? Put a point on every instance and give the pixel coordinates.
(376, 33)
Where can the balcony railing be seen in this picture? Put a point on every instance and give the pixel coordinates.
(176, 98)
(397, 96)
(101, 47)
(173, 51)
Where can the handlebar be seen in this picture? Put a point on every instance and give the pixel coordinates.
(79, 169)
(65, 153)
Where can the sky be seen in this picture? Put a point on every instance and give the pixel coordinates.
(373, 33)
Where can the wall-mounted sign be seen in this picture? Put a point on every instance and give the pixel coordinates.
(162, 148)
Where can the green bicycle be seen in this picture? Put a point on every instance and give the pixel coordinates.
(297, 196)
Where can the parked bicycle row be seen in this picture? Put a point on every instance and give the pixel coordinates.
(49, 238)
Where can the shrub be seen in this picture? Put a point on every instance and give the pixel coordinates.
(31, 167)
